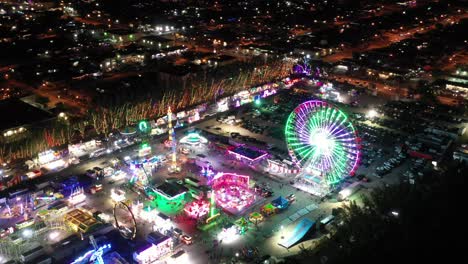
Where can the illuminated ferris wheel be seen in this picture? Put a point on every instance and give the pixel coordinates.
(322, 141)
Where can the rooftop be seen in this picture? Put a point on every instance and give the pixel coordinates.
(157, 238)
(171, 190)
(249, 153)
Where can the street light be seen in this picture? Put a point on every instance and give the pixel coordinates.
(53, 235)
(63, 116)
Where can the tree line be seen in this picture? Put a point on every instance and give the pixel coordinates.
(401, 223)
(103, 120)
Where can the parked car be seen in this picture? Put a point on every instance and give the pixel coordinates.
(291, 198)
(186, 239)
(177, 232)
(95, 188)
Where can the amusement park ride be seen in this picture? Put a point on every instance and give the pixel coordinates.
(98, 251)
(125, 220)
(174, 168)
(324, 144)
(142, 176)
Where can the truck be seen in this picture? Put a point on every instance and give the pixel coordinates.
(348, 191)
(97, 153)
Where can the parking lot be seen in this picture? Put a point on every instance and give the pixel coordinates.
(388, 155)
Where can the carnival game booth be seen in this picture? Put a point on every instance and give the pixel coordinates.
(83, 148)
(242, 97)
(232, 192)
(282, 168)
(248, 154)
(281, 203)
(51, 160)
(242, 225)
(156, 248)
(312, 183)
(269, 209)
(161, 222)
(256, 218)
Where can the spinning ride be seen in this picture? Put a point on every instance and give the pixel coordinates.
(197, 209)
(232, 192)
(193, 139)
(322, 142)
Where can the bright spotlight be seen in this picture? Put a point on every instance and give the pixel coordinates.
(53, 235)
(372, 113)
(27, 233)
(228, 235)
(323, 142)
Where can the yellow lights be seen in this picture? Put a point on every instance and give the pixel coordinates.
(372, 113)
(12, 132)
(63, 116)
(117, 195)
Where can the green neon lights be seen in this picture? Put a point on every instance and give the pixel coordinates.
(322, 140)
(143, 126)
